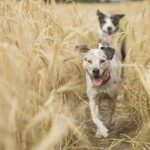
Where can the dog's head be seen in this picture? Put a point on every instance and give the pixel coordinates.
(109, 24)
(97, 64)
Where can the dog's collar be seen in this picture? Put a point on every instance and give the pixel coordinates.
(105, 81)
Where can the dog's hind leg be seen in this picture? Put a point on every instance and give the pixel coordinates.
(102, 131)
(111, 110)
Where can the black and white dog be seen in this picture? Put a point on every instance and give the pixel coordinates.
(109, 30)
(103, 67)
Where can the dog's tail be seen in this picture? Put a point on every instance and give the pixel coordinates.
(123, 50)
(123, 56)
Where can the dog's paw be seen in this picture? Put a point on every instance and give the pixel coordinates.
(102, 132)
(98, 134)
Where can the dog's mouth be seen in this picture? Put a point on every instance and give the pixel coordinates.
(108, 37)
(97, 81)
(100, 80)
(109, 32)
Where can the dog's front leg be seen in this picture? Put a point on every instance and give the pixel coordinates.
(102, 131)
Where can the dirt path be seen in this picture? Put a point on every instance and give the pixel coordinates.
(123, 127)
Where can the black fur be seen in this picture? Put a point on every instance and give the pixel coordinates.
(101, 17)
(116, 18)
(109, 51)
(82, 48)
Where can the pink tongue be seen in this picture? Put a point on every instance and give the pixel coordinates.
(108, 39)
(97, 82)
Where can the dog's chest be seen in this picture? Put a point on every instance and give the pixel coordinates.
(108, 90)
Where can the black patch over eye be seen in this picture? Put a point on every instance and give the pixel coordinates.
(102, 21)
(102, 60)
(115, 22)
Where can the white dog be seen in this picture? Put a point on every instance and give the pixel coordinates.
(103, 78)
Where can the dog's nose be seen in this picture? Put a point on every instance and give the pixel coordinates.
(96, 71)
(109, 28)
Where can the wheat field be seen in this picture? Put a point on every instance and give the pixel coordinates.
(43, 103)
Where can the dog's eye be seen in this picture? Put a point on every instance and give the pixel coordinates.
(104, 21)
(102, 61)
(89, 61)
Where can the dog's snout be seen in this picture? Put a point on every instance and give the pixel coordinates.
(96, 71)
(109, 28)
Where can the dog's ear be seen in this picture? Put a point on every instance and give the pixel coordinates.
(100, 14)
(117, 17)
(82, 48)
(109, 51)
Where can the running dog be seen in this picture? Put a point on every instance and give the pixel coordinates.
(103, 79)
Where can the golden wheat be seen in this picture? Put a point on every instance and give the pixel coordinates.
(42, 86)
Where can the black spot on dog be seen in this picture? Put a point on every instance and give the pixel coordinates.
(109, 51)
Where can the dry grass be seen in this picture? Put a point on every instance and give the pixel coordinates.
(42, 86)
